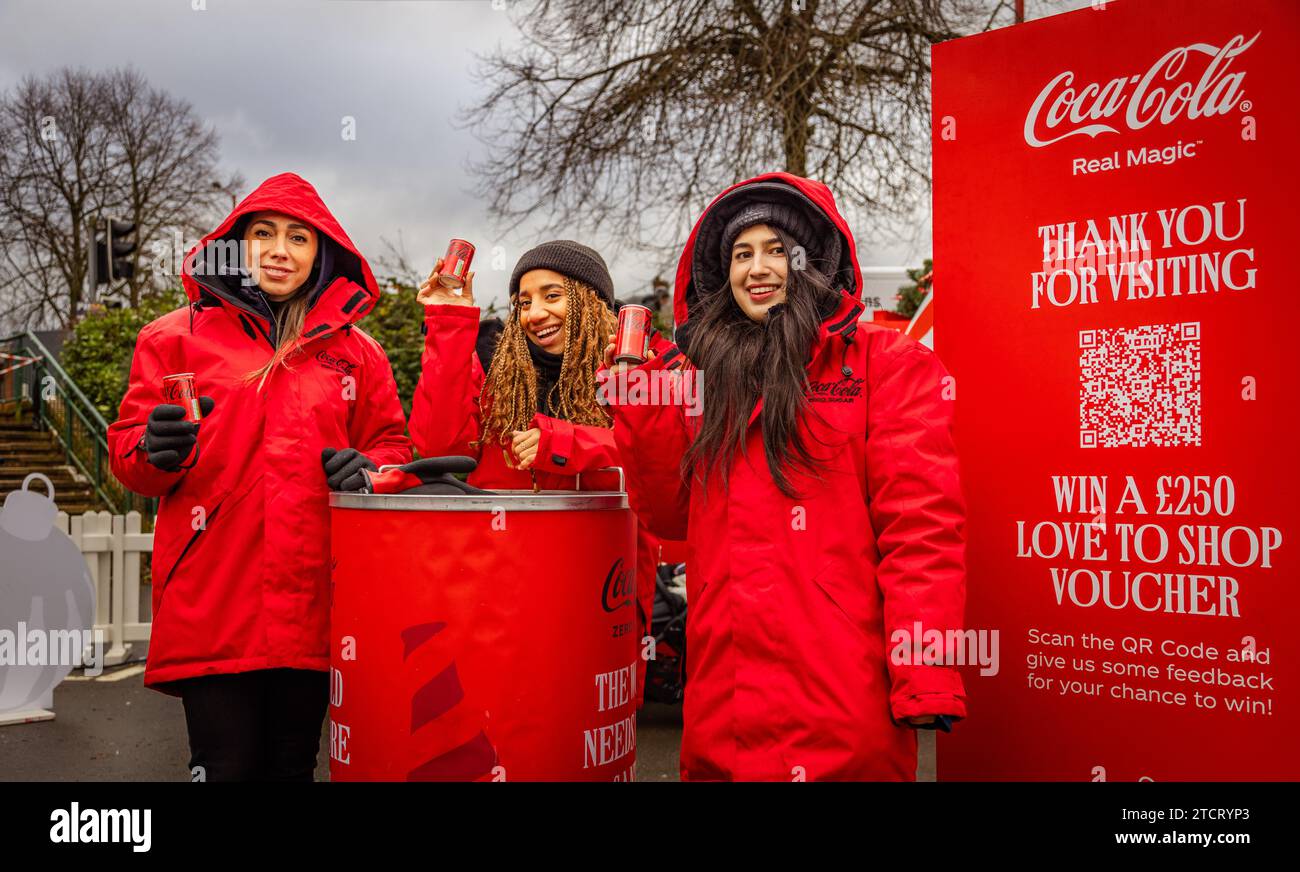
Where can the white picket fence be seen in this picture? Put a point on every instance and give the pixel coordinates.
(112, 545)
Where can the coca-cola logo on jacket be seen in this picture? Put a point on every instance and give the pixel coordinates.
(617, 592)
(339, 364)
(1177, 85)
(846, 390)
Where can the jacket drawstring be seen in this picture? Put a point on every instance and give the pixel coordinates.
(196, 306)
(847, 336)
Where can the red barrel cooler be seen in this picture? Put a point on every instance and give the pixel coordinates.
(483, 637)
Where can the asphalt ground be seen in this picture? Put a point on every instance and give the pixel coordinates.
(111, 728)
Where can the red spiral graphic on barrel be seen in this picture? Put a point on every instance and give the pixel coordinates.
(437, 715)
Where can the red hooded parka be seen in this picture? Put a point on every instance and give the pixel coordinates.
(241, 546)
(793, 602)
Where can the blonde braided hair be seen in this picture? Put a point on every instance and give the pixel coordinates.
(509, 399)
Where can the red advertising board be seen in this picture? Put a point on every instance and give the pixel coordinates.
(1115, 203)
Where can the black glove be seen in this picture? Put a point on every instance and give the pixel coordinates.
(169, 438)
(430, 468)
(436, 473)
(343, 468)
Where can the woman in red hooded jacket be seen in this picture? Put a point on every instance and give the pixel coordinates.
(818, 491)
(533, 418)
(296, 401)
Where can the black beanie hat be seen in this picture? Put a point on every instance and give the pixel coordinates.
(772, 214)
(568, 258)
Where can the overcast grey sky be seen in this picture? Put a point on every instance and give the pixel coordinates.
(277, 77)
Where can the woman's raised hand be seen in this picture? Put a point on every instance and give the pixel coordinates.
(620, 367)
(432, 293)
(609, 357)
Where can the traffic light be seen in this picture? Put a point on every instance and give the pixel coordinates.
(123, 246)
(115, 245)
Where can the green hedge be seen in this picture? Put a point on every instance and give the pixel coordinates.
(98, 353)
(395, 323)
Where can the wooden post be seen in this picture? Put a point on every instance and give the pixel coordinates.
(135, 544)
(117, 651)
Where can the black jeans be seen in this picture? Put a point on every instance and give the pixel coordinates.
(263, 725)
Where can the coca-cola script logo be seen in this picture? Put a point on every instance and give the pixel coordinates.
(846, 390)
(618, 588)
(1080, 110)
(338, 364)
(178, 391)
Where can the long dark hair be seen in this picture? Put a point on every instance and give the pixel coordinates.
(741, 360)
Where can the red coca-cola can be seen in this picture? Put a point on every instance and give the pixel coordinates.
(455, 264)
(179, 389)
(632, 342)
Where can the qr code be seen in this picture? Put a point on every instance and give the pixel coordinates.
(1140, 386)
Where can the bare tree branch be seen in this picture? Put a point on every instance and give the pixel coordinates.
(78, 147)
(622, 117)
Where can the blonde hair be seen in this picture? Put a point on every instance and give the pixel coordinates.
(288, 333)
(509, 399)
